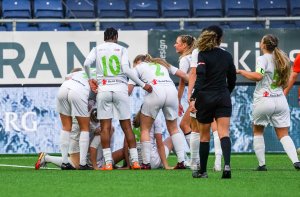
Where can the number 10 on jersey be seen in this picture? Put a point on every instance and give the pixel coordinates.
(113, 67)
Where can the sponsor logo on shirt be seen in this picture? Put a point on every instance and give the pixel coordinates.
(157, 81)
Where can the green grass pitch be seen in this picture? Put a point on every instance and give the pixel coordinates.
(281, 179)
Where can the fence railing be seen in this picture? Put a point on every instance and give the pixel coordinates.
(267, 20)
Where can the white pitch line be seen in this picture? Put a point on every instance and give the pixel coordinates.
(31, 167)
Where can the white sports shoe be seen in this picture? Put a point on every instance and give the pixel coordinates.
(41, 162)
(217, 168)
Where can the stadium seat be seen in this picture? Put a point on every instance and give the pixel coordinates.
(2, 28)
(112, 9)
(119, 26)
(295, 7)
(207, 8)
(272, 8)
(80, 9)
(82, 26)
(175, 8)
(22, 27)
(239, 8)
(16, 9)
(143, 9)
(48, 9)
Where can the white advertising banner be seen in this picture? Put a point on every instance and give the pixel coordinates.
(46, 57)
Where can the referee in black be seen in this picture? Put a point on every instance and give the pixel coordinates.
(215, 76)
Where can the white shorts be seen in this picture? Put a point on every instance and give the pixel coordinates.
(164, 98)
(155, 159)
(69, 103)
(74, 139)
(273, 110)
(113, 105)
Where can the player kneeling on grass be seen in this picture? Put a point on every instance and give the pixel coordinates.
(160, 148)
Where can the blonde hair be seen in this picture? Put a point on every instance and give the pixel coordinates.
(191, 44)
(281, 60)
(148, 58)
(208, 40)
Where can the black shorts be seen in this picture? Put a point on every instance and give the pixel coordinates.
(212, 104)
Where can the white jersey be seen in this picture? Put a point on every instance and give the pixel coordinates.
(267, 86)
(194, 58)
(185, 63)
(112, 64)
(155, 74)
(77, 81)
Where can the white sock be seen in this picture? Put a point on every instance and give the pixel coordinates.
(194, 148)
(146, 152)
(188, 138)
(259, 148)
(64, 145)
(56, 160)
(289, 148)
(179, 146)
(107, 155)
(84, 141)
(218, 149)
(133, 155)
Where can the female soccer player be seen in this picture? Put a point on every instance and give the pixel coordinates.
(156, 71)
(72, 101)
(269, 103)
(112, 68)
(184, 46)
(215, 80)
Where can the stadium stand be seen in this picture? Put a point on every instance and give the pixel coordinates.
(113, 9)
(48, 9)
(175, 9)
(144, 9)
(241, 8)
(16, 9)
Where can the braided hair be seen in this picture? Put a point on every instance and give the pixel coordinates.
(209, 38)
(110, 34)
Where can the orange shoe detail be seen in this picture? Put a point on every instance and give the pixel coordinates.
(38, 163)
(135, 166)
(107, 167)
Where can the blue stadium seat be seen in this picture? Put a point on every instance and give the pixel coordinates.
(21, 27)
(175, 8)
(295, 7)
(48, 9)
(119, 26)
(143, 9)
(240, 8)
(112, 9)
(207, 8)
(16, 9)
(80, 9)
(2, 28)
(272, 8)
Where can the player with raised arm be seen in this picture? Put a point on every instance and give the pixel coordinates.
(112, 68)
(156, 71)
(269, 103)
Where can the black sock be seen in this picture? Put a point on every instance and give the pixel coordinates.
(204, 152)
(226, 149)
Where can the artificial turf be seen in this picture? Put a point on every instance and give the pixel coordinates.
(281, 179)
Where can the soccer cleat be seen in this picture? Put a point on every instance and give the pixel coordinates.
(261, 168)
(180, 166)
(85, 167)
(297, 165)
(146, 166)
(67, 166)
(197, 174)
(41, 162)
(226, 172)
(108, 166)
(136, 166)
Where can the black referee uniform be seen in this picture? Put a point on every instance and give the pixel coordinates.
(216, 78)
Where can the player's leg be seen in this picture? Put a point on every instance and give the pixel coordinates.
(217, 145)
(259, 146)
(288, 145)
(194, 144)
(146, 124)
(185, 126)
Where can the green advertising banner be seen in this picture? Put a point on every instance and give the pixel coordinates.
(242, 44)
